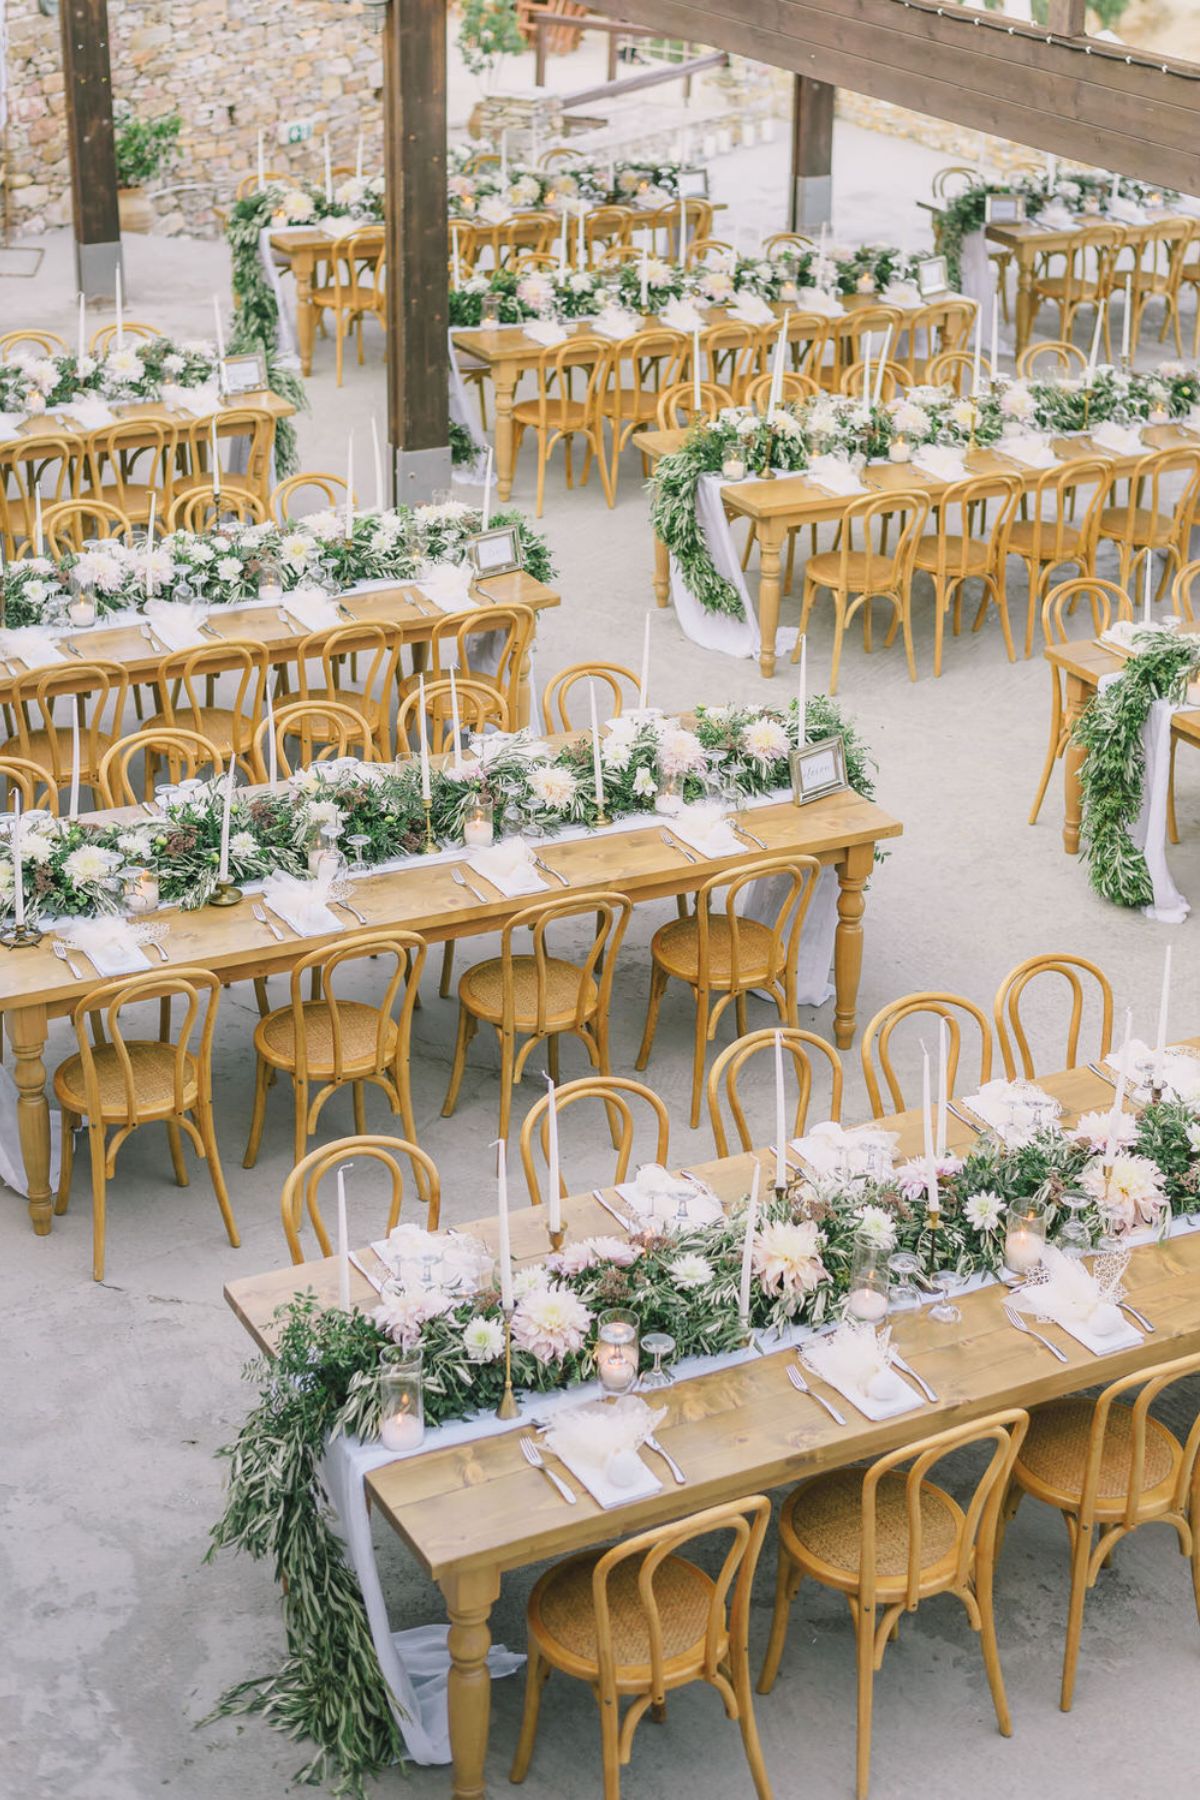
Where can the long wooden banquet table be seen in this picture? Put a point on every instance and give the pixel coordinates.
(784, 504)
(154, 412)
(842, 830)
(1083, 661)
(304, 249)
(473, 1512)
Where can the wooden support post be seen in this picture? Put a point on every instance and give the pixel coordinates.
(1067, 18)
(811, 197)
(414, 63)
(89, 117)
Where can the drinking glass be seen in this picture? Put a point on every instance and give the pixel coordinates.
(1024, 1237)
(617, 1350)
(659, 1344)
(402, 1403)
(867, 1296)
(905, 1266)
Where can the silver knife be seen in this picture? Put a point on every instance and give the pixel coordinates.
(742, 832)
(963, 1119)
(1137, 1317)
(366, 1275)
(652, 1443)
(598, 1197)
(919, 1379)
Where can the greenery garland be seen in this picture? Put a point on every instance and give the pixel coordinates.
(324, 1380)
(1112, 775)
(1083, 194)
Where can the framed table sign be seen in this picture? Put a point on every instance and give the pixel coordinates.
(693, 184)
(933, 277)
(818, 769)
(495, 552)
(244, 374)
(1004, 209)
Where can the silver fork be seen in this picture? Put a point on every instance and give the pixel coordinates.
(547, 870)
(153, 642)
(652, 1443)
(208, 631)
(457, 875)
(346, 905)
(673, 843)
(801, 1386)
(1015, 1318)
(260, 914)
(920, 1380)
(64, 955)
(743, 831)
(533, 1457)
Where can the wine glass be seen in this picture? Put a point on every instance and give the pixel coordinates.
(1073, 1237)
(904, 1266)
(659, 1344)
(944, 1284)
(358, 842)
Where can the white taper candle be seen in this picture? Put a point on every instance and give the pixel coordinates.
(18, 870)
(554, 1196)
(503, 1247)
(73, 802)
(1164, 1006)
(426, 789)
(597, 767)
(644, 683)
(748, 1246)
(226, 820)
(780, 1118)
(1114, 1117)
(343, 1245)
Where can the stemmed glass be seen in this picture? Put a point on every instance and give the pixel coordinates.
(904, 1266)
(943, 1284)
(358, 842)
(659, 1344)
(1074, 1239)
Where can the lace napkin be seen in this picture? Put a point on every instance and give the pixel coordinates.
(1064, 1290)
(865, 1152)
(669, 1201)
(857, 1361)
(1180, 1072)
(26, 644)
(1122, 633)
(10, 424)
(834, 475)
(340, 226)
(819, 300)
(311, 608)
(199, 402)
(682, 315)
(752, 309)
(1122, 440)
(447, 584)
(599, 1443)
(1014, 1110)
(614, 322)
(176, 626)
(110, 945)
(1056, 216)
(1129, 212)
(705, 828)
(904, 294)
(547, 332)
(302, 904)
(509, 866)
(448, 1262)
(945, 462)
(88, 411)
(1028, 449)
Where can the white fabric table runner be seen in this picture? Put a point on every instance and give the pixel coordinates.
(1149, 831)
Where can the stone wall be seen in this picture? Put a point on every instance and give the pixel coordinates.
(229, 66)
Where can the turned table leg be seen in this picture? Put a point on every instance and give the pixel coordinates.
(1077, 696)
(306, 312)
(662, 572)
(504, 384)
(1025, 303)
(770, 546)
(469, 1599)
(27, 1029)
(848, 940)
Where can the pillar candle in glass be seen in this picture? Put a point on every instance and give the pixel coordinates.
(867, 1295)
(617, 1350)
(1024, 1235)
(402, 1404)
(478, 824)
(139, 889)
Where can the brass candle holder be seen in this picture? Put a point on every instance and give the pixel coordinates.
(557, 1238)
(430, 845)
(20, 937)
(507, 1408)
(766, 472)
(226, 893)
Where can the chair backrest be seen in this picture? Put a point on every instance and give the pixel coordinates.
(610, 914)
(641, 366)
(877, 321)
(30, 780)
(736, 353)
(110, 999)
(731, 1064)
(1067, 532)
(865, 566)
(250, 184)
(615, 1093)
(324, 728)
(183, 679)
(1105, 599)
(1152, 1382)
(331, 488)
(557, 692)
(700, 249)
(1066, 358)
(677, 404)
(1005, 1431)
(199, 509)
(105, 338)
(953, 519)
(69, 523)
(132, 453)
(301, 1190)
(1181, 590)
(955, 1009)
(794, 387)
(1078, 973)
(479, 706)
(808, 337)
(377, 648)
(746, 1521)
(950, 182)
(96, 691)
(512, 237)
(739, 963)
(1146, 493)
(896, 379)
(945, 323)
(605, 225)
(44, 343)
(184, 752)
(256, 426)
(48, 465)
(571, 374)
(354, 268)
(406, 952)
(555, 155)
(956, 369)
(1101, 244)
(513, 627)
(786, 243)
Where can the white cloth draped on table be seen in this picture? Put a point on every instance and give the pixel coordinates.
(976, 279)
(718, 631)
(12, 1161)
(815, 952)
(460, 412)
(1149, 831)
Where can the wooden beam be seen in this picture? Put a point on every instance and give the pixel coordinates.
(1067, 18)
(1078, 98)
(87, 83)
(811, 198)
(414, 65)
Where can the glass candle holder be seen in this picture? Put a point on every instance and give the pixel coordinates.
(734, 468)
(270, 580)
(489, 312)
(870, 1279)
(81, 608)
(1024, 1236)
(402, 1404)
(324, 857)
(478, 825)
(617, 1350)
(139, 890)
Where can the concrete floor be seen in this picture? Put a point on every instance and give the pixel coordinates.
(119, 1394)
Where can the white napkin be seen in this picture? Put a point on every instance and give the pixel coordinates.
(829, 1149)
(311, 608)
(493, 210)
(1028, 449)
(599, 1443)
(453, 1261)
(178, 627)
(833, 475)
(1068, 1293)
(302, 904)
(447, 584)
(819, 300)
(547, 332)
(1056, 216)
(1180, 1070)
(1122, 633)
(10, 424)
(854, 1359)
(509, 866)
(109, 945)
(614, 322)
(706, 830)
(340, 225)
(751, 309)
(656, 1195)
(26, 644)
(945, 462)
(904, 294)
(1012, 1109)
(88, 411)
(1123, 440)
(1129, 212)
(682, 315)
(199, 402)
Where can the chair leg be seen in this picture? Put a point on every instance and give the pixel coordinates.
(610, 1749)
(66, 1165)
(1081, 1550)
(175, 1139)
(537, 1674)
(460, 1061)
(787, 1585)
(508, 1057)
(96, 1143)
(699, 1050)
(1172, 821)
(208, 1137)
(447, 969)
(259, 1116)
(739, 1662)
(1052, 750)
(300, 1117)
(984, 1571)
(864, 1624)
(658, 987)
(360, 1107)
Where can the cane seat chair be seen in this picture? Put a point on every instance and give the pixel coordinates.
(1048, 541)
(640, 368)
(42, 343)
(731, 1065)
(184, 752)
(69, 524)
(953, 555)
(639, 1621)
(330, 488)
(131, 465)
(321, 733)
(568, 404)
(31, 781)
(480, 709)
(1106, 600)
(301, 1190)
(677, 404)
(105, 338)
(459, 640)
(125, 1083)
(615, 1093)
(1159, 258)
(859, 571)
(556, 695)
(1067, 359)
(539, 996)
(1109, 1466)
(254, 428)
(31, 466)
(603, 226)
(722, 955)
(201, 508)
(793, 387)
(328, 1042)
(736, 354)
(184, 684)
(1146, 521)
(95, 690)
(959, 1015)
(888, 1538)
(882, 324)
(1080, 976)
(786, 244)
(376, 649)
(1085, 280)
(353, 289)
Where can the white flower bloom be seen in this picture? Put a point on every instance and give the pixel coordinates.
(1017, 402)
(135, 845)
(36, 847)
(787, 1259)
(644, 784)
(554, 786)
(657, 272)
(529, 1280)
(1130, 1191)
(89, 865)
(125, 364)
(962, 413)
(402, 1315)
(550, 1323)
(537, 291)
(525, 190)
(877, 1226)
(229, 568)
(1093, 1128)
(325, 812)
(36, 591)
(243, 843)
(174, 364)
(913, 420)
(983, 1210)
(690, 1271)
(295, 549)
(45, 372)
(297, 206)
(680, 752)
(483, 1340)
(765, 739)
(444, 511)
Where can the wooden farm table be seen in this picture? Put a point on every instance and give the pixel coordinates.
(304, 248)
(841, 830)
(1082, 662)
(154, 412)
(473, 1512)
(780, 506)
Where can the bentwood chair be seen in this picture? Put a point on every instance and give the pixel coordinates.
(1106, 600)
(1147, 521)
(1047, 542)
(568, 404)
(882, 324)
(638, 1621)
(940, 328)
(96, 690)
(130, 465)
(859, 571)
(1079, 974)
(955, 369)
(1109, 1466)
(250, 184)
(480, 709)
(896, 379)
(499, 635)
(795, 387)
(185, 683)
(735, 354)
(376, 649)
(105, 339)
(732, 1063)
(302, 1187)
(251, 426)
(31, 781)
(1156, 273)
(1064, 358)
(48, 465)
(1085, 280)
(320, 733)
(887, 1537)
(604, 226)
(330, 489)
(326, 1043)
(786, 244)
(556, 695)
(677, 404)
(541, 997)
(185, 753)
(1181, 591)
(126, 1082)
(723, 956)
(199, 509)
(959, 1014)
(69, 524)
(615, 1093)
(954, 555)
(41, 343)
(353, 289)
(640, 368)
